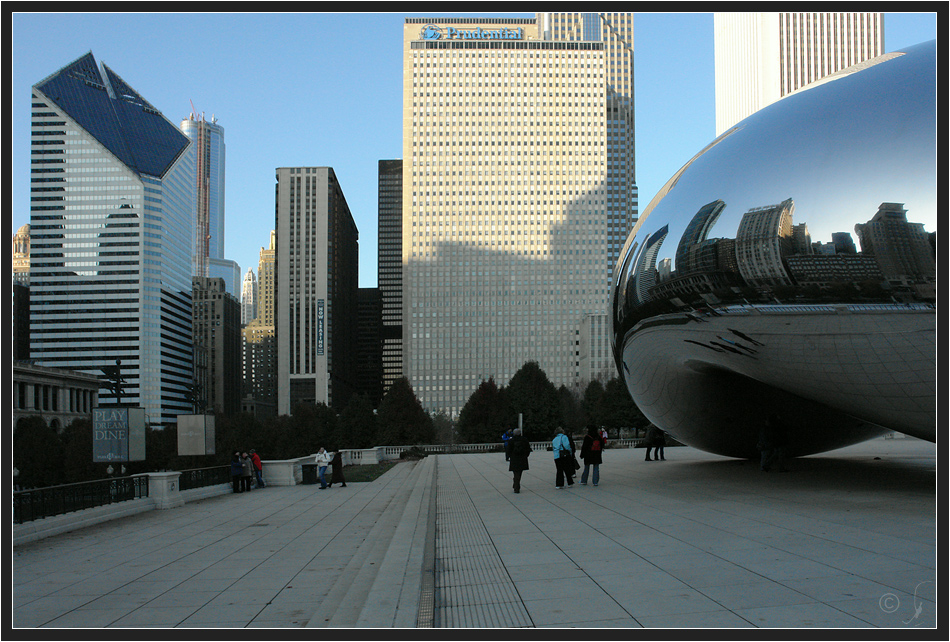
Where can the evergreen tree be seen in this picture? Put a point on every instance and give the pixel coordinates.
(485, 415)
(38, 454)
(532, 394)
(445, 429)
(572, 414)
(592, 403)
(402, 421)
(619, 410)
(77, 443)
(357, 425)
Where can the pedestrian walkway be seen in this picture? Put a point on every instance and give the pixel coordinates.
(846, 539)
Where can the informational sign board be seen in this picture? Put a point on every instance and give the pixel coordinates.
(195, 434)
(118, 434)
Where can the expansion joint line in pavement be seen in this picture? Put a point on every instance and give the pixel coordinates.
(425, 619)
(472, 587)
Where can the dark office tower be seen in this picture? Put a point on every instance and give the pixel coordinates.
(370, 354)
(112, 222)
(389, 267)
(844, 243)
(217, 332)
(316, 290)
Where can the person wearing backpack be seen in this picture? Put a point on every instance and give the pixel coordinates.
(591, 453)
(563, 459)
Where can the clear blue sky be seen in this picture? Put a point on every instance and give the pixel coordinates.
(326, 89)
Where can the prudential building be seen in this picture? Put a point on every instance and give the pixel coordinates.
(518, 193)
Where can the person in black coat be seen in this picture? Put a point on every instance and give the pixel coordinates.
(237, 470)
(519, 451)
(336, 477)
(591, 453)
(656, 439)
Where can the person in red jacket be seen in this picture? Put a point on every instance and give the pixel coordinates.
(258, 469)
(591, 453)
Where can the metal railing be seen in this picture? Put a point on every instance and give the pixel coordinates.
(201, 477)
(37, 503)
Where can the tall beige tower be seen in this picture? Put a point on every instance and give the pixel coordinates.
(260, 340)
(505, 202)
(761, 57)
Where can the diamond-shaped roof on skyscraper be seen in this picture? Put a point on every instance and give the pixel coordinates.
(116, 115)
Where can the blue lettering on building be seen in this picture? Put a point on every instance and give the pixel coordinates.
(435, 32)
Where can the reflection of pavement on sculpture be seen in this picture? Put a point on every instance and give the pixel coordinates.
(865, 367)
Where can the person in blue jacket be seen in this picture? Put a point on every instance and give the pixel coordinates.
(563, 459)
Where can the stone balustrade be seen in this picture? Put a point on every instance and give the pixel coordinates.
(164, 491)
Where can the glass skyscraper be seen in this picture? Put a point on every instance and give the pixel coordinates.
(112, 222)
(208, 139)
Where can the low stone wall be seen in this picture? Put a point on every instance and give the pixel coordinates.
(164, 492)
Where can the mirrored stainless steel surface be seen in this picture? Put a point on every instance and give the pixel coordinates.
(790, 267)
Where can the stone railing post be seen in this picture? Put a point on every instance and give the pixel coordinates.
(163, 489)
(284, 472)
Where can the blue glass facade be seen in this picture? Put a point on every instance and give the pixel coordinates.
(113, 219)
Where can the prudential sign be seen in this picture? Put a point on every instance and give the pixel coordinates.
(436, 32)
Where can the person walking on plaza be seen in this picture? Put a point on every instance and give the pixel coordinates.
(591, 451)
(336, 477)
(323, 460)
(506, 438)
(247, 471)
(563, 459)
(520, 451)
(237, 469)
(657, 440)
(258, 469)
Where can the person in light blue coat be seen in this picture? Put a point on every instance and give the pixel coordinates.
(563, 459)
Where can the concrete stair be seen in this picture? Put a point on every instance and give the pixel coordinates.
(388, 581)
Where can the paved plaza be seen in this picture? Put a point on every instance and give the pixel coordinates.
(845, 539)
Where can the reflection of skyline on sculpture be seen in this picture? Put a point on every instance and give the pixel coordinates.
(772, 254)
(888, 135)
(790, 266)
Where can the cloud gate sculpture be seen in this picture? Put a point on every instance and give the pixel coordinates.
(789, 268)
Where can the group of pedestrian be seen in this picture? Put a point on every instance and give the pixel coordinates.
(246, 466)
(518, 449)
(656, 441)
(332, 458)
